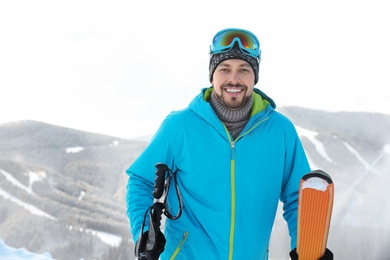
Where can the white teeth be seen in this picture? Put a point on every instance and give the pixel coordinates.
(233, 90)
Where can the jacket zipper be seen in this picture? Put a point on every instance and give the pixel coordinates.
(233, 201)
(179, 246)
(232, 181)
(233, 192)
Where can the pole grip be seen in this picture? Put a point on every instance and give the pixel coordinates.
(159, 180)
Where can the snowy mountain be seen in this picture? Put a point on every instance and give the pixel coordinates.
(62, 190)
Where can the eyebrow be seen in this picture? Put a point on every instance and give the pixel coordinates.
(244, 64)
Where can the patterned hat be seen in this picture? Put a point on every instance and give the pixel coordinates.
(233, 53)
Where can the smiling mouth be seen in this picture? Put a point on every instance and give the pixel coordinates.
(233, 90)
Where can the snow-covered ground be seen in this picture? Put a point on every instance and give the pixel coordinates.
(75, 149)
(9, 253)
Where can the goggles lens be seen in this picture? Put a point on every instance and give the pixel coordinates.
(224, 40)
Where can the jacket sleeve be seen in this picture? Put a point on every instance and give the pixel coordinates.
(142, 174)
(296, 165)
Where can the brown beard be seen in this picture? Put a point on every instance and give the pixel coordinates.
(234, 99)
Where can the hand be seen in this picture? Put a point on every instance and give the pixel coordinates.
(141, 248)
(327, 256)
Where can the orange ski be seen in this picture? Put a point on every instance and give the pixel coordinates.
(315, 204)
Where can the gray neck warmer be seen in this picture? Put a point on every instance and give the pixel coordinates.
(234, 118)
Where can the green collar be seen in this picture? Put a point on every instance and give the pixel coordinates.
(259, 104)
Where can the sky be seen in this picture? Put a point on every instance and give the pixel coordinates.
(119, 67)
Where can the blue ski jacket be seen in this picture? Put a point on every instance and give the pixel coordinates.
(230, 188)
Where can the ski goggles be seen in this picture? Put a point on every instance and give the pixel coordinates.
(224, 40)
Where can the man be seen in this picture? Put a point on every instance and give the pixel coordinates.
(234, 157)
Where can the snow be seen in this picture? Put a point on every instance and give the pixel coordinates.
(114, 143)
(15, 182)
(315, 183)
(75, 149)
(32, 209)
(9, 253)
(312, 137)
(367, 166)
(386, 149)
(107, 238)
(33, 176)
(82, 194)
(36, 176)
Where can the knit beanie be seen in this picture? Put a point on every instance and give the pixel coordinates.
(233, 53)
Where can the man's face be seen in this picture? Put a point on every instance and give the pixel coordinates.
(233, 82)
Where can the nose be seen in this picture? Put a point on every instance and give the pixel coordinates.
(234, 78)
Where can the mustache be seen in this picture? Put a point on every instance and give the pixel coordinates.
(229, 84)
